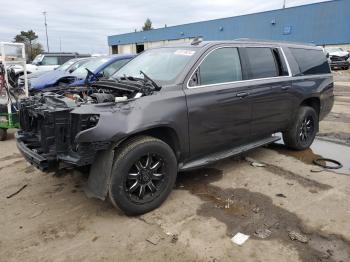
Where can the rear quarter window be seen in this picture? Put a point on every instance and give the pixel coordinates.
(311, 62)
(261, 63)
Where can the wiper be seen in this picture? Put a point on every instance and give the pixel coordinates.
(146, 77)
(88, 76)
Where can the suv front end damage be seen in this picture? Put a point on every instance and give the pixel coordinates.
(52, 122)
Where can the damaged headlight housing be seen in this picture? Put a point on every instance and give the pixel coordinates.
(92, 121)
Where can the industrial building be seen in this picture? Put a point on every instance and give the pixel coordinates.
(326, 23)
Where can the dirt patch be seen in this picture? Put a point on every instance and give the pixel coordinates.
(12, 164)
(338, 117)
(336, 137)
(252, 212)
(10, 157)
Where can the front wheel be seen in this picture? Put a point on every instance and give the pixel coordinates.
(303, 131)
(143, 175)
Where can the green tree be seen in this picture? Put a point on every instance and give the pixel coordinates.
(148, 25)
(29, 38)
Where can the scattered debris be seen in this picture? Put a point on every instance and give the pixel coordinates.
(322, 163)
(154, 239)
(263, 233)
(256, 210)
(240, 238)
(313, 191)
(174, 239)
(281, 195)
(18, 191)
(257, 164)
(298, 236)
(36, 214)
(290, 184)
(94, 239)
(316, 170)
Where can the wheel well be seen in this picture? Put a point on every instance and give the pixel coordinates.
(313, 102)
(166, 134)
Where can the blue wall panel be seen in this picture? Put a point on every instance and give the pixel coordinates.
(321, 23)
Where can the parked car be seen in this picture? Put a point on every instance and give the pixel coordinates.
(67, 68)
(177, 108)
(99, 66)
(47, 62)
(338, 58)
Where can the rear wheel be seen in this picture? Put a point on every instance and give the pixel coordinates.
(3, 134)
(303, 131)
(143, 175)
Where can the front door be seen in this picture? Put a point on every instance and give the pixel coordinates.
(219, 111)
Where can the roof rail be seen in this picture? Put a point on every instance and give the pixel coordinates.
(273, 41)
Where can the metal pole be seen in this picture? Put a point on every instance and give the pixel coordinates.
(284, 4)
(47, 38)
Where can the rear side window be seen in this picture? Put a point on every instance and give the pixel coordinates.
(50, 60)
(220, 66)
(261, 62)
(310, 61)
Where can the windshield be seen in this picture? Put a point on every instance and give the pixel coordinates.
(37, 59)
(334, 49)
(66, 65)
(161, 64)
(92, 65)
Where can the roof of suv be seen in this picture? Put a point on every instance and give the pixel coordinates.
(201, 44)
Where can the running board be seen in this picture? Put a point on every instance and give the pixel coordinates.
(227, 153)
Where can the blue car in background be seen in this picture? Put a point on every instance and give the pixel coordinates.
(103, 66)
(65, 69)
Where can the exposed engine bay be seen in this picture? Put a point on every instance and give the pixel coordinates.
(104, 91)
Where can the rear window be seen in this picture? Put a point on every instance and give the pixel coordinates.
(261, 62)
(310, 61)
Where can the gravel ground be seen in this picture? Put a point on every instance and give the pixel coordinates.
(291, 212)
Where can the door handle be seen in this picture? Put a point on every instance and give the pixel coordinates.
(242, 94)
(285, 87)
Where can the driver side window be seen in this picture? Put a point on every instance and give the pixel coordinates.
(220, 66)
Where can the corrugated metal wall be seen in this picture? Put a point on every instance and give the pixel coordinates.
(322, 23)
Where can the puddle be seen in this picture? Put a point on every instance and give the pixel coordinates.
(249, 212)
(319, 149)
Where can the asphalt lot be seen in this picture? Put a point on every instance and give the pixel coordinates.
(51, 219)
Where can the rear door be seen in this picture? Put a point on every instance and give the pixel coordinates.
(270, 89)
(219, 113)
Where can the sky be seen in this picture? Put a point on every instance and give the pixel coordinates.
(83, 25)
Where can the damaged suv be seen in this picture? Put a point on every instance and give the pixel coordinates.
(177, 108)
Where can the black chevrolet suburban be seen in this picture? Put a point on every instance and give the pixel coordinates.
(177, 108)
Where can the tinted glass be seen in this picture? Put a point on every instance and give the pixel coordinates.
(311, 61)
(261, 62)
(220, 66)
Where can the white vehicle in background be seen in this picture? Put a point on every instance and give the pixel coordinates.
(338, 57)
(47, 62)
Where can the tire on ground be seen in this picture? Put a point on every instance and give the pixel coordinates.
(292, 137)
(126, 156)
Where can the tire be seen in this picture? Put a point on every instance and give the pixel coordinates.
(346, 68)
(303, 131)
(143, 175)
(3, 134)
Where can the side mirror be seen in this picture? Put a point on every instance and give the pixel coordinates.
(327, 55)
